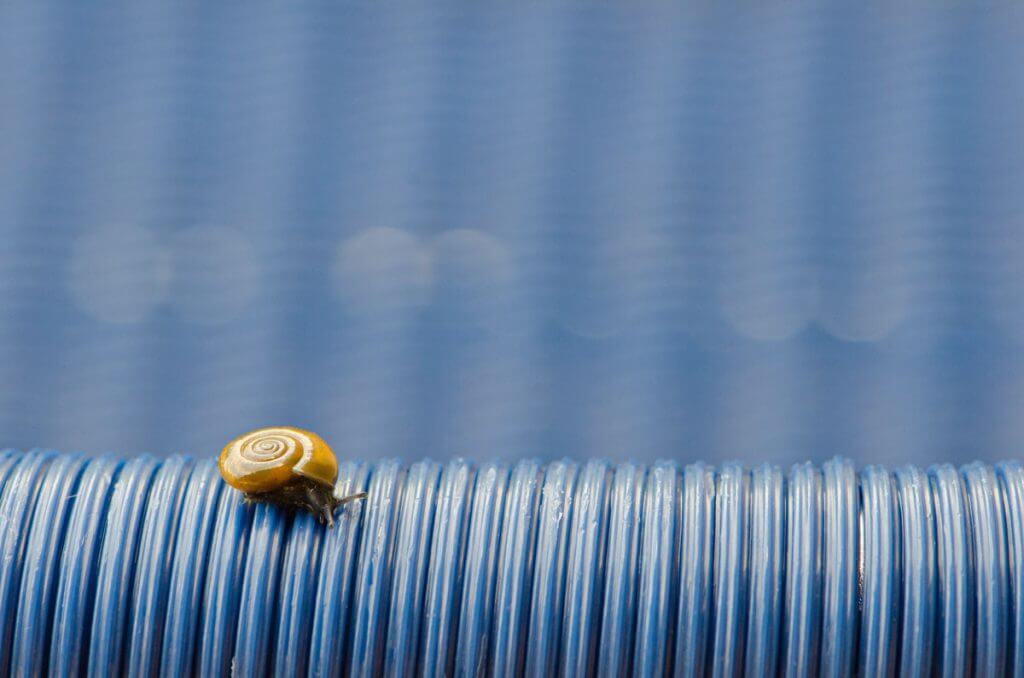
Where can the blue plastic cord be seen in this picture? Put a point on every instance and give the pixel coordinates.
(76, 585)
(881, 573)
(919, 582)
(16, 517)
(144, 566)
(188, 570)
(39, 579)
(766, 559)
(1011, 478)
(445, 575)
(619, 606)
(223, 586)
(335, 585)
(117, 564)
(153, 565)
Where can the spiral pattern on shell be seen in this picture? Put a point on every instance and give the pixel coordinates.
(265, 450)
(275, 445)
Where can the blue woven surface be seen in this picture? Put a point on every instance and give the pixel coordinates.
(775, 234)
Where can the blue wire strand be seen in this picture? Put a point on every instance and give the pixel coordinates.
(486, 527)
(1011, 478)
(615, 654)
(189, 570)
(298, 593)
(8, 460)
(373, 571)
(153, 565)
(117, 564)
(257, 606)
(730, 604)
(767, 525)
(585, 572)
(140, 567)
(514, 576)
(444, 583)
(556, 511)
(16, 512)
(656, 595)
(42, 560)
(336, 580)
(412, 552)
(839, 601)
(990, 565)
(802, 612)
(954, 648)
(881, 573)
(920, 579)
(76, 587)
(694, 618)
(223, 586)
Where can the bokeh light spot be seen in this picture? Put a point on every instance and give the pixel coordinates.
(119, 273)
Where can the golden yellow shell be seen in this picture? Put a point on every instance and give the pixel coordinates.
(269, 458)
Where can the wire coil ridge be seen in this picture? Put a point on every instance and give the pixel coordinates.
(154, 567)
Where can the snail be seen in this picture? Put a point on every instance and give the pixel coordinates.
(285, 466)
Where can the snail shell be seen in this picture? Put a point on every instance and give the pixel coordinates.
(267, 459)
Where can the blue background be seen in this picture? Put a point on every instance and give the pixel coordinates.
(631, 232)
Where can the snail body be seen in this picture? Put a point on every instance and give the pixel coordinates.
(287, 466)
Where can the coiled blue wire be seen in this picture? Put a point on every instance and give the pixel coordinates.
(144, 567)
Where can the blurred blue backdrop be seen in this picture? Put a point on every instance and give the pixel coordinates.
(632, 232)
